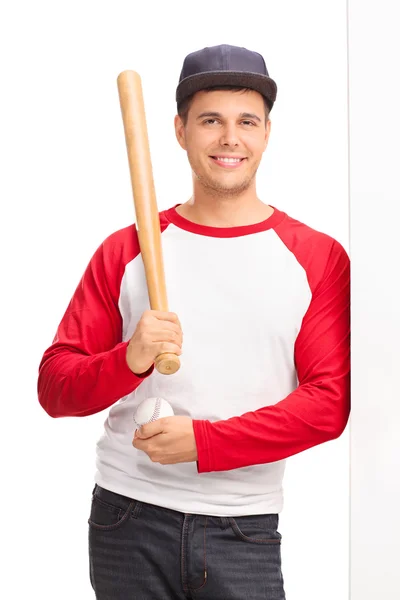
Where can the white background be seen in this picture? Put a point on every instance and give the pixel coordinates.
(374, 52)
(65, 187)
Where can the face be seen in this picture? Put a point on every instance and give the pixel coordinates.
(225, 137)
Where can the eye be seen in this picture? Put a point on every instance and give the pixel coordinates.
(249, 123)
(209, 121)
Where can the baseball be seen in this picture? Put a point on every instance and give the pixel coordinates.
(152, 409)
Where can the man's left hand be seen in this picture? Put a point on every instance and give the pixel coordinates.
(167, 441)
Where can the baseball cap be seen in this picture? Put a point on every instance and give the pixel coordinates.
(222, 65)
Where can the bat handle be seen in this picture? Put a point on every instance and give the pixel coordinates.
(167, 363)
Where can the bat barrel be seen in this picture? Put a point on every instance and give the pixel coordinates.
(144, 196)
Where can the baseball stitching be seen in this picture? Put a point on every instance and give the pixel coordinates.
(154, 416)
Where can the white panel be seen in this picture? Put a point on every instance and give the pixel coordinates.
(374, 51)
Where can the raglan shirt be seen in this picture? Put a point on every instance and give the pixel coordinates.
(265, 368)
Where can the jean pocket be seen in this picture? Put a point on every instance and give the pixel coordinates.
(256, 529)
(107, 517)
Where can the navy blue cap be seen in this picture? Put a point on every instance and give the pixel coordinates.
(222, 65)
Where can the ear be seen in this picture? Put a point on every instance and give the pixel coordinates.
(180, 132)
(267, 132)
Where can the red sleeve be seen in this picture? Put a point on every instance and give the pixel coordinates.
(317, 410)
(85, 371)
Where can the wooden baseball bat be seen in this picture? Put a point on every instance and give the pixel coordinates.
(144, 197)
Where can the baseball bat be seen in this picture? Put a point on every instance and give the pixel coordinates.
(144, 197)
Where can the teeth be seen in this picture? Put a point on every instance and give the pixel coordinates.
(228, 160)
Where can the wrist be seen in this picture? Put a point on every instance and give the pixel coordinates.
(140, 371)
(145, 373)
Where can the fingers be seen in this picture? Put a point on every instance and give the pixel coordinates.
(170, 340)
(163, 316)
(156, 333)
(159, 330)
(166, 330)
(151, 429)
(167, 348)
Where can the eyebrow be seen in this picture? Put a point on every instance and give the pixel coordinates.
(244, 115)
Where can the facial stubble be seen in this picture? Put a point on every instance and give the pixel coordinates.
(217, 188)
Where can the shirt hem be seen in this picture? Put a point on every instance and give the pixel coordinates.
(271, 506)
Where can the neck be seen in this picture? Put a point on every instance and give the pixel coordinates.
(207, 208)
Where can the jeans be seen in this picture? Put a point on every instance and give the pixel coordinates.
(139, 551)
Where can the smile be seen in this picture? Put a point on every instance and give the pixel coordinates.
(227, 162)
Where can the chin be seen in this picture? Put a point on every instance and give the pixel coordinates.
(228, 190)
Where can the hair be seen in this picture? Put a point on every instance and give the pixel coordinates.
(184, 105)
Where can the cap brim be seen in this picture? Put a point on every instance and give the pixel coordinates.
(255, 81)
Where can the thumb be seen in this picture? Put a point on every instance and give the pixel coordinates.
(149, 429)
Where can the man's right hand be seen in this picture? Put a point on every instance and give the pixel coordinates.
(157, 332)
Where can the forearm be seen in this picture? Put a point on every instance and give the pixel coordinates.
(74, 384)
(310, 415)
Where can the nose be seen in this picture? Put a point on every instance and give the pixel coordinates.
(229, 136)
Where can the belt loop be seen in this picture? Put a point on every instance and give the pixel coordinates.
(224, 523)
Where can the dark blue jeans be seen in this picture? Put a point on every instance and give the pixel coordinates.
(139, 551)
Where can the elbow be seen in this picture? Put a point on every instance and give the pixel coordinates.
(338, 430)
(50, 396)
(48, 404)
(341, 417)
(336, 412)
(55, 385)
(49, 408)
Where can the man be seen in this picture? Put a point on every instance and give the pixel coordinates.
(188, 506)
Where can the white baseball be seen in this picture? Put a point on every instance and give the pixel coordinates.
(152, 409)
